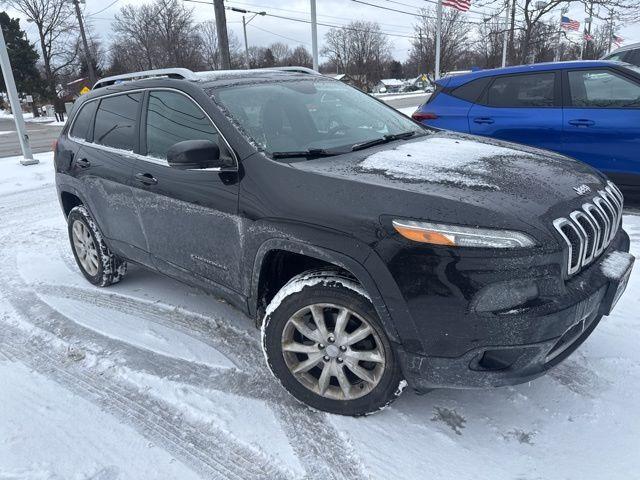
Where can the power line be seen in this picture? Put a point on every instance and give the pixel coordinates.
(324, 24)
(279, 35)
(408, 13)
(105, 8)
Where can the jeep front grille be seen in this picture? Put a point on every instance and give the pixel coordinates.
(589, 230)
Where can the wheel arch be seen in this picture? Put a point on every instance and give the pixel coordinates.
(268, 275)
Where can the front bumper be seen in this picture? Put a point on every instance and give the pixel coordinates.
(518, 346)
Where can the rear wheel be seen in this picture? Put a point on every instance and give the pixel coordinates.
(96, 262)
(324, 342)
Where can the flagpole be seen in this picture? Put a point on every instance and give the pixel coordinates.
(438, 35)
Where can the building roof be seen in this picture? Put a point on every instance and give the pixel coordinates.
(392, 82)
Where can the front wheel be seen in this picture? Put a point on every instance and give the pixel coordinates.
(323, 341)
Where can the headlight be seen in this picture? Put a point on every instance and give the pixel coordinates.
(452, 235)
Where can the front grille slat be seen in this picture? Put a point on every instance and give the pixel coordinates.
(587, 232)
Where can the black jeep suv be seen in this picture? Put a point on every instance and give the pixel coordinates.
(369, 248)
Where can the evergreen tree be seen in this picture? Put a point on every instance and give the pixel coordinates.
(23, 57)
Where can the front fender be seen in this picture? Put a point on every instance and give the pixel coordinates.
(338, 249)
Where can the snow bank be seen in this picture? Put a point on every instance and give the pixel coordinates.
(615, 265)
(439, 160)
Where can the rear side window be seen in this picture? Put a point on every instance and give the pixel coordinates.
(83, 120)
(116, 121)
(173, 118)
(472, 90)
(602, 89)
(530, 90)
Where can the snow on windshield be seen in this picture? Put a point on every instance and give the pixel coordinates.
(439, 160)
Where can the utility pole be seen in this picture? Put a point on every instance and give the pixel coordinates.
(244, 29)
(314, 35)
(221, 31)
(506, 36)
(87, 52)
(512, 29)
(610, 20)
(12, 93)
(246, 43)
(438, 35)
(556, 56)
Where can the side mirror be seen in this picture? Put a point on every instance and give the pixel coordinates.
(195, 154)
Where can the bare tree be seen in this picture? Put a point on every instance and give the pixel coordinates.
(452, 41)
(55, 34)
(299, 57)
(532, 13)
(156, 35)
(211, 51)
(360, 49)
(281, 52)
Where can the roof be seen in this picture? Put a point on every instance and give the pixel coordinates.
(631, 46)
(536, 67)
(392, 82)
(338, 76)
(209, 76)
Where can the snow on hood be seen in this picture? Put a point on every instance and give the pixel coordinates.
(440, 159)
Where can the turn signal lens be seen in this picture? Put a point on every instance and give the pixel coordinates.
(457, 236)
(423, 236)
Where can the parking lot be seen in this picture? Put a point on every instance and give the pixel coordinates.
(153, 379)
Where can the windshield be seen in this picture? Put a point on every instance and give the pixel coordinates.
(311, 115)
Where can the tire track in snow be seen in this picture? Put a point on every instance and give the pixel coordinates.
(208, 451)
(322, 451)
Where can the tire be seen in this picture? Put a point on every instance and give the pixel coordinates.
(299, 360)
(96, 262)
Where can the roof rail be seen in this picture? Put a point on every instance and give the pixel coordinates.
(294, 69)
(179, 73)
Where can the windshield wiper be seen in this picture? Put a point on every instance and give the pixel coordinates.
(381, 140)
(311, 153)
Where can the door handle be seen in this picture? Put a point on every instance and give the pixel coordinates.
(483, 120)
(146, 178)
(83, 163)
(582, 122)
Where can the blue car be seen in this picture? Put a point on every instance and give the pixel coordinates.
(588, 110)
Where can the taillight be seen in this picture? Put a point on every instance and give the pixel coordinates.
(420, 116)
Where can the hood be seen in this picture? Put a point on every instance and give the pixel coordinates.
(447, 173)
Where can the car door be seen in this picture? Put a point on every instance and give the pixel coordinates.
(602, 121)
(523, 108)
(103, 164)
(189, 217)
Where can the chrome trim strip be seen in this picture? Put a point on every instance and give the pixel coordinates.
(558, 223)
(587, 256)
(599, 240)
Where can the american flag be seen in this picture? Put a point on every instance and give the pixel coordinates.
(587, 37)
(462, 5)
(569, 24)
(617, 41)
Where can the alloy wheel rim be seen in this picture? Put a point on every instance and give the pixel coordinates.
(333, 351)
(85, 247)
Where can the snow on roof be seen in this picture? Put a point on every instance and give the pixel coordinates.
(392, 82)
(438, 160)
(338, 76)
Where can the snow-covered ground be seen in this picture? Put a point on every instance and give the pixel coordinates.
(150, 379)
(29, 118)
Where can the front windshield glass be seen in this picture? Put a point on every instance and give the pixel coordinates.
(309, 115)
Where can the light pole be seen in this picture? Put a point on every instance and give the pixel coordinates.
(12, 93)
(244, 28)
(314, 35)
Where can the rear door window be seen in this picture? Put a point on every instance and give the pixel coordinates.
(116, 121)
(602, 89)
(530, 90)
(82, 121)
(472, 90)
(173, 118)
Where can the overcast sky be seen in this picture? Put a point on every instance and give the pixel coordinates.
(264, 30)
